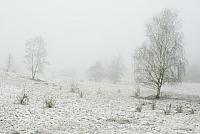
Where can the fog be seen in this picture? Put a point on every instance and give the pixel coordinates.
(78, 33)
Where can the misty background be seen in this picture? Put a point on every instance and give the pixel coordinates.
(78, 33)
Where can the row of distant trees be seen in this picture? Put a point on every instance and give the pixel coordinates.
(36, 58)
(114, 71)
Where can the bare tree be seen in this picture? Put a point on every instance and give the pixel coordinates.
(9, 62)
(116, 69)
(35, 57)
(161, 59)
(96, 72)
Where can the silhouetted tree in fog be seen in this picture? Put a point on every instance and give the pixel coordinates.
(161, 59)
(116, 69)
(96, 72)
(36, 54)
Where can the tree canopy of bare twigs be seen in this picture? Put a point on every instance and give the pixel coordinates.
(36, 54)
(161, 58)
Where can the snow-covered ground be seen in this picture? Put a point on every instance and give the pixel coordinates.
(103, 109)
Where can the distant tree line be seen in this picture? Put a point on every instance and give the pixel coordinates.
(113, 72)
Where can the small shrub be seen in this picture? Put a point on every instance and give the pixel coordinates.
(179, 108)
(153, 105)
(23, 99)
(74, 87)
(137, 91)
(167, 109)
(138, 108)
(50, 103)
(192, 111)
(81, 94)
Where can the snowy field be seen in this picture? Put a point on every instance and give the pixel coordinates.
(102, 109)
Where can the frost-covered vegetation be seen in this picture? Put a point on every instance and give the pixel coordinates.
(101, 109)
(153, 100)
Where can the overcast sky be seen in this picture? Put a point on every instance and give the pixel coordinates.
(79, 32)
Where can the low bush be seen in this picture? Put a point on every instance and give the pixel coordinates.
(50, 103)
(138, 108)
(192, 111)
(179, 108)
(81, 94)
(167, 109)
(23, 98)
(74, 87)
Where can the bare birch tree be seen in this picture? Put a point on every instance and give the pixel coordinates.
(161, 59)
(36, 54)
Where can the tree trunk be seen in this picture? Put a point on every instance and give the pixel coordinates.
(158, 92)
(33, 75)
